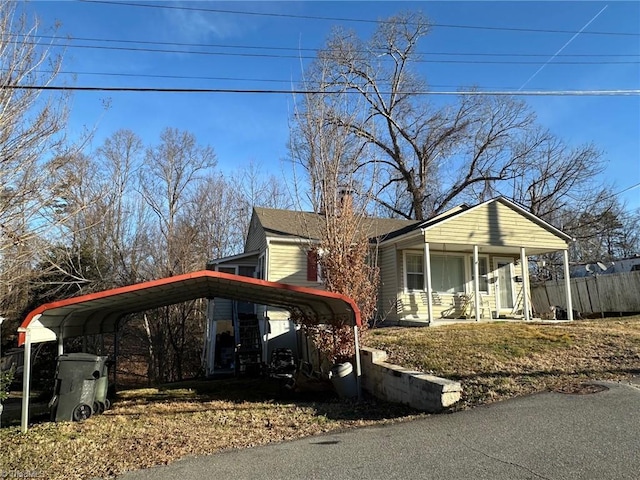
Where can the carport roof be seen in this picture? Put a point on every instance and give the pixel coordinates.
(100, 312)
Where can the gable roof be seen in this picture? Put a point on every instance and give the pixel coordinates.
(309, 225)
(459, 211)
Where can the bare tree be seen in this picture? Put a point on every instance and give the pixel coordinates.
(341, 194)
(31, 132)
(169, 180)
(430, 153)
(257, 188)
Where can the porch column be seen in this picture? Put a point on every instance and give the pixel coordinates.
(476, 282)
(426, 266)
(524, 262)
(567, 284)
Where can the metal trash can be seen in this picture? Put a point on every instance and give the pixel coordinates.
(344, 380)
(74, 392)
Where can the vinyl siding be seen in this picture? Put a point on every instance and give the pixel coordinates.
(287, 264)
(388, 284)
(256, 237)
(221, 309)
(493, 224)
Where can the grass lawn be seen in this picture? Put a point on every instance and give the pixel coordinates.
(495, 361)
(156, 426)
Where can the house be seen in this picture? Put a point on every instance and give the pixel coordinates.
(469, 258)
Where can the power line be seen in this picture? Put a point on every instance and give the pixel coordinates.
(313, 92)
(301, 49)
(244, 79)
(307, 57)
(636, 185)
(345, 19)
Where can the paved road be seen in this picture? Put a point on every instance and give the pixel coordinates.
(544, 436)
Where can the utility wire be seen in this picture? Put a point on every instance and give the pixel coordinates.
(307, 57)
(343, 19)
(301, 49)
(636, 185)
(313, 92)
(244, 79)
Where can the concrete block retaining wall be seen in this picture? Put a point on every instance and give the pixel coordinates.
(400, 385)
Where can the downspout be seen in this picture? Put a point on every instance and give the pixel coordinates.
(265, 336)
(358, 366)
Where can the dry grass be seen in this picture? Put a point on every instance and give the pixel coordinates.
(494, 361)
(151, 427)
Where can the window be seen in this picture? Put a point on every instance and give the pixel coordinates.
(447, 273)
(483, 270)
(414, 272)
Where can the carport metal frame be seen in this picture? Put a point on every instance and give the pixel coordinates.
(101, 312)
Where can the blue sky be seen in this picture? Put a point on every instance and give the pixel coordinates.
(254, 127)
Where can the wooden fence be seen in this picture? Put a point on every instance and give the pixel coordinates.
(612, 293)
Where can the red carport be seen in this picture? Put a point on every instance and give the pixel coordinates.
(101, 312)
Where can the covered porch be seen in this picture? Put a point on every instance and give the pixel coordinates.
(471, 263)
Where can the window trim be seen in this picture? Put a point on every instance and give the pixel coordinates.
(406, 273)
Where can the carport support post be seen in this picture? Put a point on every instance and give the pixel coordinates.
(358, 367)
(26, 378)
(60, 343)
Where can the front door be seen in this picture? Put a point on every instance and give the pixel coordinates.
(504, 283)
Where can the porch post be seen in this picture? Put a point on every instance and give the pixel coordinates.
(524, 263)
(427, 281)
(476, 282)
(567, 284)
(26, 379)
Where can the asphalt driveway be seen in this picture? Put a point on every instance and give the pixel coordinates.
(543, 436)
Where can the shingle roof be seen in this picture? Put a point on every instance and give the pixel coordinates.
(290, 223)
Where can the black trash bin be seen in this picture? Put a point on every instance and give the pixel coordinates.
(74, 395)
(101, 402)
